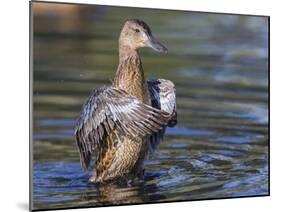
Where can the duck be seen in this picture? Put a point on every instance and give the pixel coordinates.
(120, 125)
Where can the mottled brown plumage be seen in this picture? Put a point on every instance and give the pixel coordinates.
(121, 123)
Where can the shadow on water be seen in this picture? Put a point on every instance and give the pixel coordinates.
(23, 206)
(219, 65)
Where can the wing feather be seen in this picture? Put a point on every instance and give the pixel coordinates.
(163, 97)
(110, 109)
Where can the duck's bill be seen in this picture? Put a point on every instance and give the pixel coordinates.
(156, 45)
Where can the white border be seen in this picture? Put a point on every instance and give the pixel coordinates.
(15, 105)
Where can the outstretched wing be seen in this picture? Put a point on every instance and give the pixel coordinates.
(110, 109)
(163, 97)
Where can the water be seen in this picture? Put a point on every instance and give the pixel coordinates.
(218, 63)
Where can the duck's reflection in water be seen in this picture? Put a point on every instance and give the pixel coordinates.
(122, 193)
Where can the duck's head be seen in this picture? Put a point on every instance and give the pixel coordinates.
(136, 34)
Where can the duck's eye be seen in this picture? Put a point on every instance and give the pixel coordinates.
(137, 30)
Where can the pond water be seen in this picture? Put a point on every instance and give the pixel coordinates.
(219, 64)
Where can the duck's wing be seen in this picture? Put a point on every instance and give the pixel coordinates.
(110, 109)
(163, 97)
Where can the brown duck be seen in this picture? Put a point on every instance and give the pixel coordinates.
(121, 123)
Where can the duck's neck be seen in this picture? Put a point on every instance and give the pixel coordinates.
(130, 75)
